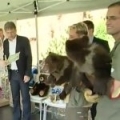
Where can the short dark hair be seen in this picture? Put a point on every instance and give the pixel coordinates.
(114, 4)
(9, 25)
(89, 24)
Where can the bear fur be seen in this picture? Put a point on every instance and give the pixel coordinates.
(40, 88)
(92, 60)
(63, 72)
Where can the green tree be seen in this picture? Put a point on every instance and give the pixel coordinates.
(57, 45)
(100, 31)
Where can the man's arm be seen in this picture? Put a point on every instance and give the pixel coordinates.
(115, 73)
(28, 55)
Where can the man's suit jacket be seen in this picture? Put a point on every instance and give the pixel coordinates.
(24, 64)
(102, 43)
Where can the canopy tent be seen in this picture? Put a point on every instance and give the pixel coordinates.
(21, 9)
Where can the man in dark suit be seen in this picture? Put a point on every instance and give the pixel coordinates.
(101, 42)
(19, 71)
(94, 39)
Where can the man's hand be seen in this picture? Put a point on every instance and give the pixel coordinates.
(115, 90)
(89, 97)
(26, 78)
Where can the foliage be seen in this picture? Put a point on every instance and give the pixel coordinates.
(100, 31)
(57, 45)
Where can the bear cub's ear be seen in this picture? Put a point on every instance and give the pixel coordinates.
(77, 44)
(52, 57)
(77, 49)
(43, 77)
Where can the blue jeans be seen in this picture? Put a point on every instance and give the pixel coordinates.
(17, 86)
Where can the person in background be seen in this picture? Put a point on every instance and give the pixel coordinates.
(108, 108)
(74, 108)
(101, 42)
(19, 71)
(2, 64)
(94, 39)
(2, 37)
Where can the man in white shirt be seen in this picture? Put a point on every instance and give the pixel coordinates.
(19, 70)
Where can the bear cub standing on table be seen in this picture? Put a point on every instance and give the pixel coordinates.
(62, 71)
(94, 61)
(40, 88)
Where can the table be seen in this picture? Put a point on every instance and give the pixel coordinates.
(39, 100)
(47, 102)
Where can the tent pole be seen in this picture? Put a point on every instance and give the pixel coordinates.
(37, 41)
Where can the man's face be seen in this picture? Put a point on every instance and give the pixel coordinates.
(113, 20)
(10, 33)
(73, 34)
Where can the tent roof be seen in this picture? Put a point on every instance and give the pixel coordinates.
(21, 9)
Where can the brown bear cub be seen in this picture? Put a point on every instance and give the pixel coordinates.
(92, 60)
(62, 71)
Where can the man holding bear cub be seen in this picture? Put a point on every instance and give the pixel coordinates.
(108, 109)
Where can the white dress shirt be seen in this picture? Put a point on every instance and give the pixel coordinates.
(12, 50)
